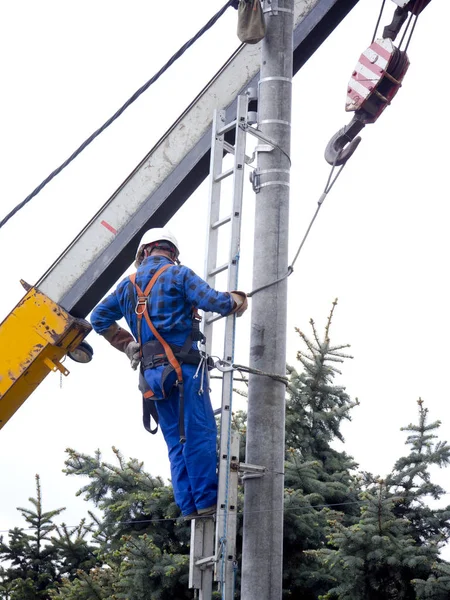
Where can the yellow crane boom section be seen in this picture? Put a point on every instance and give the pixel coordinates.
(34, 337)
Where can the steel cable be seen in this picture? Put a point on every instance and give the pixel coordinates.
(330, 183)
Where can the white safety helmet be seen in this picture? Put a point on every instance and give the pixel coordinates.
(158, 234)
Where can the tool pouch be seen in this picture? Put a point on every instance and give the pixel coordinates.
(251, 26)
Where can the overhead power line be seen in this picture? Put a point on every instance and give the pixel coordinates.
(285, 509)
(121, 110)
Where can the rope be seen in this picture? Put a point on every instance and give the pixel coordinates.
(328, 186)
(119, 112)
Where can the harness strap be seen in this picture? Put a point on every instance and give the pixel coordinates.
(149, 411)
(142, 311)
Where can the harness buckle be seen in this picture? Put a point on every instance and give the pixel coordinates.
(141, 305)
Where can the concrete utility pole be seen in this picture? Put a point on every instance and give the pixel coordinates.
(262, 562)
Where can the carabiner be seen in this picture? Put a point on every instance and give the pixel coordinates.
(140, 305)
(224, 365)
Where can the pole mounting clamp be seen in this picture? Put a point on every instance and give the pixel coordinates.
(272, 7)
(251, 471)
(255, 180)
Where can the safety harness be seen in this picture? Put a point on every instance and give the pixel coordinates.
(158, 352)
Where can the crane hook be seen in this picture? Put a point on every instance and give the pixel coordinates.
(337, 151)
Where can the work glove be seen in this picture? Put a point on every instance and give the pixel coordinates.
(240, 303)
(133, 353)
(118, 338)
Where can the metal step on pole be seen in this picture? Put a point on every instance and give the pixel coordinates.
(216, 557)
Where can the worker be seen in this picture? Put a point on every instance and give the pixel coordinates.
(162, 324)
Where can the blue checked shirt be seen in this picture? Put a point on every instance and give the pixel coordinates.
(170, 302)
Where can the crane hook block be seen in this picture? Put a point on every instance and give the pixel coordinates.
(375, 81)
(376, 78)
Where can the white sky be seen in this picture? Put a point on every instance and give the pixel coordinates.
(380, 244)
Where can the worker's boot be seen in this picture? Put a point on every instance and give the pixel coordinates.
(207, 512)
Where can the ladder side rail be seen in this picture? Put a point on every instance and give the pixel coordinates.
(225, 523)
(226, 563)
(216, 160)
(202, 549)
(202, 530)
(205, 592)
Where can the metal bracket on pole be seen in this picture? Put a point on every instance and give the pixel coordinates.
(257, 133)
(255, 179)
(230, 149)
(252, 115)
(251, 471)
(255, 176)
(273, 7)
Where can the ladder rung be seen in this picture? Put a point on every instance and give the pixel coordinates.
(226, 127)
(218, 270)
(224, 175)
(213, 319)
(229, 148)
(221, 222)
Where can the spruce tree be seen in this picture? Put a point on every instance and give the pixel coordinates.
(393, 550)
(437, 586)
(143, 542)
(74, 549)
(376, 558)
(316, 474)
(411, 481)
(98, 584)
(6, 585)
(31, 555)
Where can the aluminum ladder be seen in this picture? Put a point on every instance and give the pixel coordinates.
(214, 556)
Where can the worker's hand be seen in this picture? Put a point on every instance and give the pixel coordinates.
(240, 303)
(132, 351)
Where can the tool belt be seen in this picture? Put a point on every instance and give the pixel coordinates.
(153, 355)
